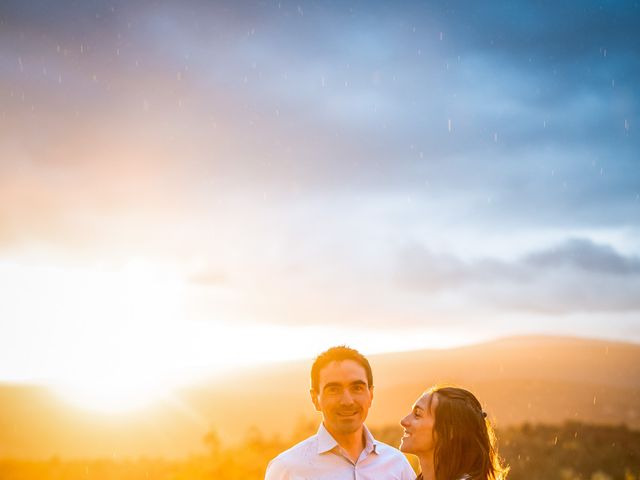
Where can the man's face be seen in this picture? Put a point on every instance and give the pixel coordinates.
(344, 396)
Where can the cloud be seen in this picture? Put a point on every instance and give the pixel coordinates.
(133, 119)
(577, 275)
(209, 278)
(582, 254)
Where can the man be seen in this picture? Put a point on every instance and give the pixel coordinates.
(343, 448)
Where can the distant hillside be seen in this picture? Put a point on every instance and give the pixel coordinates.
(524, 379)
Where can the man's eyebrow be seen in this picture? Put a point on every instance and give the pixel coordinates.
(332, 384)
(338, 384)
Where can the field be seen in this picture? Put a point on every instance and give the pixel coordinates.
(573, 451)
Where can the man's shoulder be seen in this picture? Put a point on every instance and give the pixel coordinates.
(393, 460)
(386, 449)
(294, 455)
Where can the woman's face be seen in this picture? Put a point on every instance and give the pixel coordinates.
(419, 438)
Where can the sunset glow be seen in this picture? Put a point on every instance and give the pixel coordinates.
(190, 188)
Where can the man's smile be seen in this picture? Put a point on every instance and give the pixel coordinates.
(347, 413)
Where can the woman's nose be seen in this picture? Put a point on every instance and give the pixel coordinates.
(404, 422)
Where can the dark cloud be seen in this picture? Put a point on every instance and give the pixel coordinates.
(575, 276)
(585, 255)
(358, 96)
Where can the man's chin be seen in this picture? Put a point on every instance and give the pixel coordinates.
(346, 425)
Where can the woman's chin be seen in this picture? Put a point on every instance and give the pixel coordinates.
(404, 446)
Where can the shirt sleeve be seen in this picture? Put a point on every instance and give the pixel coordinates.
(407, 471)
(276, 471)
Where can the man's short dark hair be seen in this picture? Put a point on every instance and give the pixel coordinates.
(338, 354)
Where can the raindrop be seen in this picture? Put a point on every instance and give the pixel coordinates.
(495, 137)
(441, 35)
(449, 125)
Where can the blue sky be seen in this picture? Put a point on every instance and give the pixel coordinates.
(394, 175)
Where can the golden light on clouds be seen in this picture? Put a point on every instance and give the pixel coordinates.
(113, 339)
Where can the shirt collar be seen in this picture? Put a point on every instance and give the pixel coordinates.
(327, 443)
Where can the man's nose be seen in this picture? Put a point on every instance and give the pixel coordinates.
(403, 422)
(346, 398)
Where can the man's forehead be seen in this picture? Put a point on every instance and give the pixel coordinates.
(343, 371)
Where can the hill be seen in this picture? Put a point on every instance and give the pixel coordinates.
(523, 379)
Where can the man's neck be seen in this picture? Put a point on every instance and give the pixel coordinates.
(352, 443)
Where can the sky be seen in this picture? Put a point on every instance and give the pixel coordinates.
(189, 186)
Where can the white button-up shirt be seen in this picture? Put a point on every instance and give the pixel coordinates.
(319, 457)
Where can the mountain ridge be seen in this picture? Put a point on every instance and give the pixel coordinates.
(518, 379)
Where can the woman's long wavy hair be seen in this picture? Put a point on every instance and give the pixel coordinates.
(465, 442)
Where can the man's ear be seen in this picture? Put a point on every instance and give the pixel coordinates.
(371, 392)
(314, 398)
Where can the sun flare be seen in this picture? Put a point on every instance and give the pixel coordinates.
(104, 335)
(111, 395)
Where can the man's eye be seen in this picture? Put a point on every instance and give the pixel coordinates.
(332, 390)
(358, 388)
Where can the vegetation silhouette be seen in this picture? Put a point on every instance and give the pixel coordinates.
(571, 451)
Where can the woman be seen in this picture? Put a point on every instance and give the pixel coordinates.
(449, 433)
